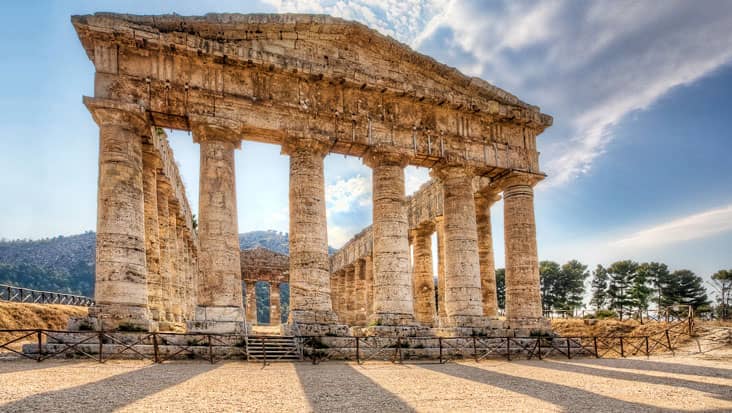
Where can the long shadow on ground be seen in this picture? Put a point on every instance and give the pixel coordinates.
(570, 399)
(112, 392)
(674, 368)
(339, 387)
(724, 392)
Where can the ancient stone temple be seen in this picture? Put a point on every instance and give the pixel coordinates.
(314, 85)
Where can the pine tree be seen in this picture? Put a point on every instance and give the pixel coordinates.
(550, 275)
(660, 281)
(574, 274)
(621, 281)
(689, 289)
(599, 288)
(723, 283)
(501, 287)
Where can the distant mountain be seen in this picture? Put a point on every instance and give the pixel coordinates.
(66, 263)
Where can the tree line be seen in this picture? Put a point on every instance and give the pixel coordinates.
(624, 287)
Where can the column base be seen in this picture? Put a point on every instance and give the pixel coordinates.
(312, 317)
(115, 317)
(392, 319)
(218, 320)
(392, 331)
(527, 327)
(314, 330)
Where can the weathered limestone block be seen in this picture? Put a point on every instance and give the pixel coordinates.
(335, 294)
(175, 254)
(483, 203)
(310, 301)
(343, 296)
(463, 301)
(219, 289)
(121, 272)
(393, 302)
(523, 297)
(424, 283)
(251, 306)
(275, 310)
(151, 164)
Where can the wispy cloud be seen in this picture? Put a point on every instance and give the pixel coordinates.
(696, 226)
(345, 194)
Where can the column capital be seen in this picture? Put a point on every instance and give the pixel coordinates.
(425, 228)
(151, 157)
(109, 112)
(379, 155)
(206, 127)
(293, 143)
(516, 178)
(445, 171)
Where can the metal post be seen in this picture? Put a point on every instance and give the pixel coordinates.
(622, 350)
(210, 349)
(569, 350)
(508, 348)
(156, 355)
(358, 356)
(594, 341)
(439, 342)
(101, 335)
(668, 340)
(475, 350)
(647, 352)
(264, 350)
(40, 346)
(538, 345)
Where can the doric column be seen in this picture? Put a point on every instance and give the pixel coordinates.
(275, 311)
(392, 282)
(424, 282)
(359, 277)
(219, 290)
(523, 297)
(343, 296)
(251, 294)
(175, 255)
(310, 301)
(121, 273)
(166, 264)
(368, 270)
(483, 203)
(151, 164)
(463, 302)
(350, 294)
(335, 293)
(440, 229)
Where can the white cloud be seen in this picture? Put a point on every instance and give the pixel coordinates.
(339, 235)
(344, 194)
(587, 63)
(414, 177)
(696, 226)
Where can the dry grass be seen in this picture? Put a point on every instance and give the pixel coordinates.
(31, 316)
(610, 327)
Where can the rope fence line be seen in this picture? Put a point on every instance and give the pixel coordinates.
(27, 295)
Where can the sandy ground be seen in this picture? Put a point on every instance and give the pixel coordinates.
(660, 383)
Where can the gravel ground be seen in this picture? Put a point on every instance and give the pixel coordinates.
(656, 384)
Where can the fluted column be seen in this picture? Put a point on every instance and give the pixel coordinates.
(151, 164)
(368, 270)
(463, 301)
(310, 301)
(166, 265)
(523, 297)
(335, 293)
(360, 316)
(424, 283)
(275, 311)
(483, 203)
(251, 308)
(121, 292)
(350, 294)
(392, 282)
(175, 254)
(219, 290)
(440, 229)
(343, 297)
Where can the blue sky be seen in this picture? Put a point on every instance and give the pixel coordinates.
(638, 158)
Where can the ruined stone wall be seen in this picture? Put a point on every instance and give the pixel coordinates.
(261, 264)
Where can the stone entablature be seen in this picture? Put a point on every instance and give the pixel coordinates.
(275, 75)
(261, 264)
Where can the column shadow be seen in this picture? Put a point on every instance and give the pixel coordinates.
(339, 387)
(112, 392)
(570, 399)
(721, 391)
(674, 368)
(19, 365)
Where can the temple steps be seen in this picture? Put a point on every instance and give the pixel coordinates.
(275, 348)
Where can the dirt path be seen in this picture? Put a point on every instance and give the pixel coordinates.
(656, 384)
